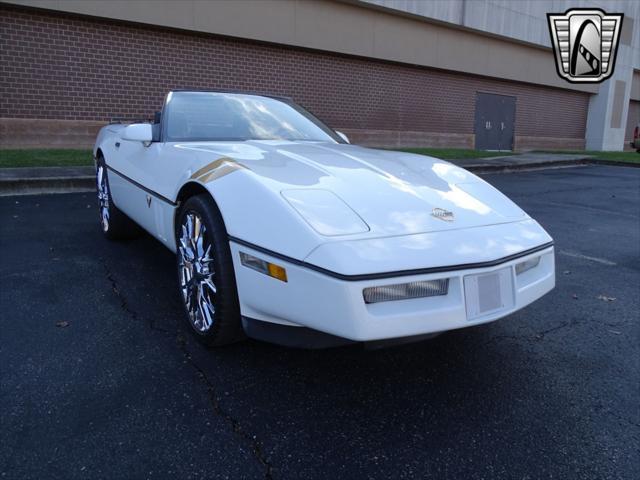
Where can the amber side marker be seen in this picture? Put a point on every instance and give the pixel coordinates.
(262, 266)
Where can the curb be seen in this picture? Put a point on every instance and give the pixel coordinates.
(615, 163)
(487, 168)
(86, 183)
(46, 185)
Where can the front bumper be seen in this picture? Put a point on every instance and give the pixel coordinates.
(336, 306)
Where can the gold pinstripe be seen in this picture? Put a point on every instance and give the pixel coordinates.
(216, 169)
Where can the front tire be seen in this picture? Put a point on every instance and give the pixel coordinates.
(205, 273)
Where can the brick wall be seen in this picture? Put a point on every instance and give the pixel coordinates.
(57, 66)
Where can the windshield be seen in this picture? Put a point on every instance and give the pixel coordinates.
(211, 116)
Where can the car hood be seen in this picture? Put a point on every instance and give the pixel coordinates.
(394, 193)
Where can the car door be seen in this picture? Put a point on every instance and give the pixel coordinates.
(137, 175)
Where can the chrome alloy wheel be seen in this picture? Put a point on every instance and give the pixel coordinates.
(196, 270)
(103, 197)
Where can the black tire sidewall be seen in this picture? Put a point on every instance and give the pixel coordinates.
(226, 327)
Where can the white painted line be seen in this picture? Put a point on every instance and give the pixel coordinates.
(603, 261)
(590, 209)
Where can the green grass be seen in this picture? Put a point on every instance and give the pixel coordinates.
(63, 157)
(45, 157)
(453, 153)
(626, 157)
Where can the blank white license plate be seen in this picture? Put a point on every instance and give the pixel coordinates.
(488, 293)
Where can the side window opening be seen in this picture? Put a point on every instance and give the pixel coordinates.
(155, 127)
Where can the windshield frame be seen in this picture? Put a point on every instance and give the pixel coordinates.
(286, 100)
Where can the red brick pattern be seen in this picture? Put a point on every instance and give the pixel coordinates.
(56, 66)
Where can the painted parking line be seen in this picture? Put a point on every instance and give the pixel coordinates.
(602, 261)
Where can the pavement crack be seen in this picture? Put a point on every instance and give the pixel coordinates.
(541, 335)
(236, 427)
(503, 337)
(537, 336)
(124, 305)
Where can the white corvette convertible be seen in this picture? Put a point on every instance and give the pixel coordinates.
(284, 231)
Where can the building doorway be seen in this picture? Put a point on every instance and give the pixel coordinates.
(495, 121)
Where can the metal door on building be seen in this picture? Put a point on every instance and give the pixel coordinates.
(495, 121)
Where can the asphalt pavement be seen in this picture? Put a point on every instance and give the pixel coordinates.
(100, 378)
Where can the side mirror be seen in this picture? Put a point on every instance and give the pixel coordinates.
(138, 132)
(343, 136)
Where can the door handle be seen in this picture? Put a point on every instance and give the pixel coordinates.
(487, 125)
(501, 125)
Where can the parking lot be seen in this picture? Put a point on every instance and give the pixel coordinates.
(100, 378)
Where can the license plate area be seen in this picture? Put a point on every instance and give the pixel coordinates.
(488, 293)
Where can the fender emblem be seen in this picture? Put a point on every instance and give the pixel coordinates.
(149, 201)
(442, 214)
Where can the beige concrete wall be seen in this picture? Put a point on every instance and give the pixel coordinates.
(522, 20)
(335, 26)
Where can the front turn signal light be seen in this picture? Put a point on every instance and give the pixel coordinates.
(270, 269)
(276, 271)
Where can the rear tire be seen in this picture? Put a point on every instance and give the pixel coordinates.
(206, 277)
(114, 223)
